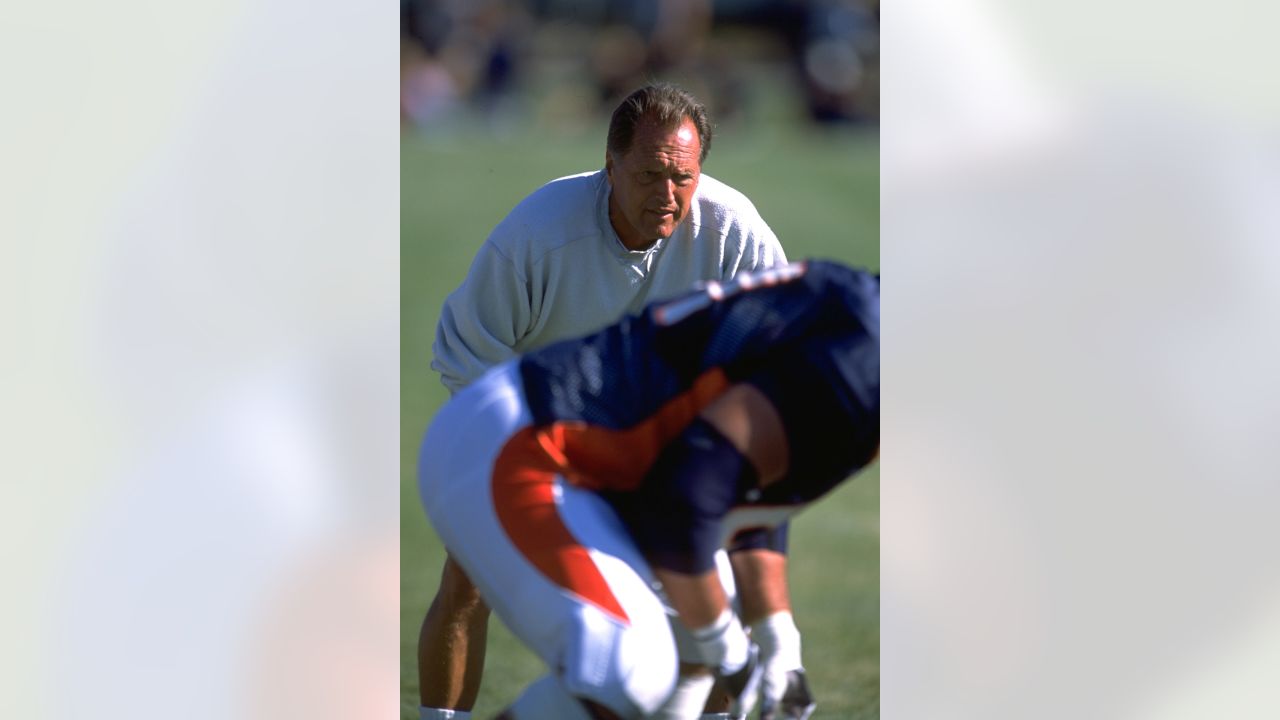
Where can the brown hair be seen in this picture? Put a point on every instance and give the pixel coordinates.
(662, 103)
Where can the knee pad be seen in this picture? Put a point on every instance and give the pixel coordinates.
(774, 538)
(675, 515)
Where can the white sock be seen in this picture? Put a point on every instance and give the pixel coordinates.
(723, 644)
(426, 713)
(779, 640)
(687, 701)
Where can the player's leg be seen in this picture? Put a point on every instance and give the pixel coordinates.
(761, 576)
(451, 645)
(551, 560)
(458, 448)
(761, 573)
(696, 697)
(570, 583)
(689, 700)
(638, 656)
(748, 418)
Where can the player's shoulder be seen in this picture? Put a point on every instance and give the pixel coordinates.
(814, 282)
(838, 272)
(858, 289)
(832, 275)
(816, 273)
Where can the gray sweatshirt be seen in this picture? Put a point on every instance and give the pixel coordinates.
(554, 268)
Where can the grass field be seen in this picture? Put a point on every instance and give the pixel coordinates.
(820, 194)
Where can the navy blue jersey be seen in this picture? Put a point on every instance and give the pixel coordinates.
(807, 335)
(618, 377)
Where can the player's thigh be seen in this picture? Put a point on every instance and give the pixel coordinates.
(626, 663)
(551, 560)
(567, 580)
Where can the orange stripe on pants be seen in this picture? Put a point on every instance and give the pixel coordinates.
(524, 499)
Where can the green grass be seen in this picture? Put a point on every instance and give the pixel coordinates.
(820, 194)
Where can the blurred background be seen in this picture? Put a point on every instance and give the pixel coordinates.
(499, 97)
(554, 65)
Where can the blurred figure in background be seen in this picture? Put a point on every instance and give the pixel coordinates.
(468, 51)
(641, 40)
(840, 60)
(489, 56)
(832, 48)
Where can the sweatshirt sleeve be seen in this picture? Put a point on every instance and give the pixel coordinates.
(757, 248)
(763, 250)
(482, 320)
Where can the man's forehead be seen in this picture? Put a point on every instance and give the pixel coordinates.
(650, 134)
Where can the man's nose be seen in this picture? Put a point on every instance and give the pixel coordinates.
(668, 190)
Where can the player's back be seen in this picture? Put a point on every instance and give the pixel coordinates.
(625, 374)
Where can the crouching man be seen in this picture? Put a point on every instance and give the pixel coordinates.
(584, 484)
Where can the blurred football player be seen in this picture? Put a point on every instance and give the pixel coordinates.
(585, 484)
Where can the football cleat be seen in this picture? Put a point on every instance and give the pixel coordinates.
(743, 684)
(796, 703)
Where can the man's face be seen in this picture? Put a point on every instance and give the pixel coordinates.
(653, 182)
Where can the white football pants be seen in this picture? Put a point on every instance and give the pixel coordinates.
(552, 560)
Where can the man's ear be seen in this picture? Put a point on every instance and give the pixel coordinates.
(608, 165)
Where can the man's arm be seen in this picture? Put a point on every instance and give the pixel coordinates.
(761, 248)
(765, 251)
(482, 320)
